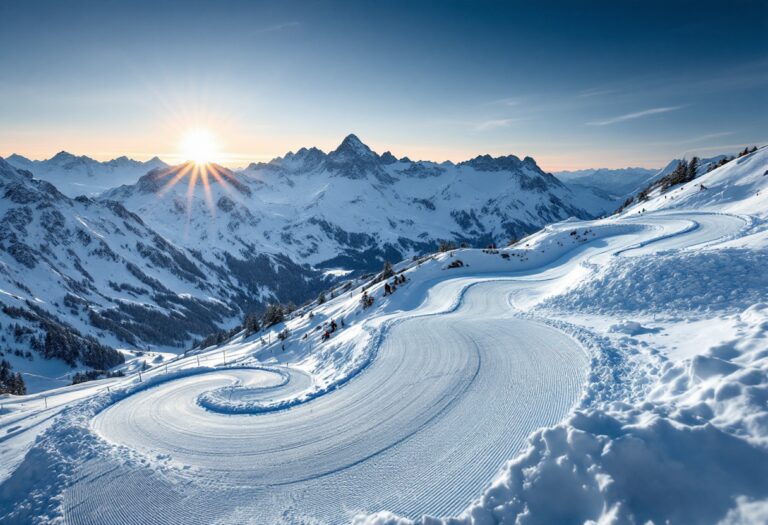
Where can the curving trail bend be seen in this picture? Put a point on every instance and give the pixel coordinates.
(422, 430)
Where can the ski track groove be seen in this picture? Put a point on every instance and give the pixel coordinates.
(476, 368)
(422, 430)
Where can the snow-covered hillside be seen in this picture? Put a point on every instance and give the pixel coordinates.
(78, 274)
(739, 186)
(601, 371)
(80, 175)
(352, 208)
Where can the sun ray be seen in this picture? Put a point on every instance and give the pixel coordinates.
(180, 174)
(221, 180)
(207, 189)
(191, 189)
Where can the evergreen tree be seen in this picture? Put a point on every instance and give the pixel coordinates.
(693, 167)
(273, 315)
(11, 383)
(251, 324)
(321, 298)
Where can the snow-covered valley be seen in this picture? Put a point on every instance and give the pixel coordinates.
(607, 370)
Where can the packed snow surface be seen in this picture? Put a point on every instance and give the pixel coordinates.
(532, 384)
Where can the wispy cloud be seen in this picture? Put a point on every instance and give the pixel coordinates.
(709, 136)
(632, 116)
(495, 124)
(595, 92)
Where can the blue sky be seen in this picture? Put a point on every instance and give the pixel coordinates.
(573, 84)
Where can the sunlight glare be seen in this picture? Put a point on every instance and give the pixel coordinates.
(199, 146)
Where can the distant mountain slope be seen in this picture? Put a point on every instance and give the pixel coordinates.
(618, 182)
(352, 208)
(70, 268)
(83, 175)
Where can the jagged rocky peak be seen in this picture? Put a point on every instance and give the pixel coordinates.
(305, 159)
(353, 147)
(489, 163)
(388, 158)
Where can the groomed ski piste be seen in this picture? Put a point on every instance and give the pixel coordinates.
(613, 371)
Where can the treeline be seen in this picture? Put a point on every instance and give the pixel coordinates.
(274, 313)
(726, 160)
(684, 172)
(63, 341)
(90, 375)
(11, 383)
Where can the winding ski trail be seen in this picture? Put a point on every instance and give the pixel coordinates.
(449, 397)
(456, 387)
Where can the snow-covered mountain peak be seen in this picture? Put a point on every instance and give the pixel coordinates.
(388, 158)
(76, 175)
(63, 156)
(352, 146)
(16, 158)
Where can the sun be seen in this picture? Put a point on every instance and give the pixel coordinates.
(199, 146)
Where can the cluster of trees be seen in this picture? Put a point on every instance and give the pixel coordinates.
(274, 314)
(726, 160)
(386, 272)
(683, 172)
(67, 345)
(446, 246)
(216, 338)
(11, 383)
(252, 323)
(90, 375)
(63, 341)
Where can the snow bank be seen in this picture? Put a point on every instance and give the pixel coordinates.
(702, 281)
(694, 452)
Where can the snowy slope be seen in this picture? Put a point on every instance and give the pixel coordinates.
(740, 186)
(413, 404)
(426, 401)
(352, 208)
(81, 175)
(78, 266)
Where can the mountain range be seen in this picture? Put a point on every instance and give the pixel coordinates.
(81, 175)
(352, 208)
(183, 251)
